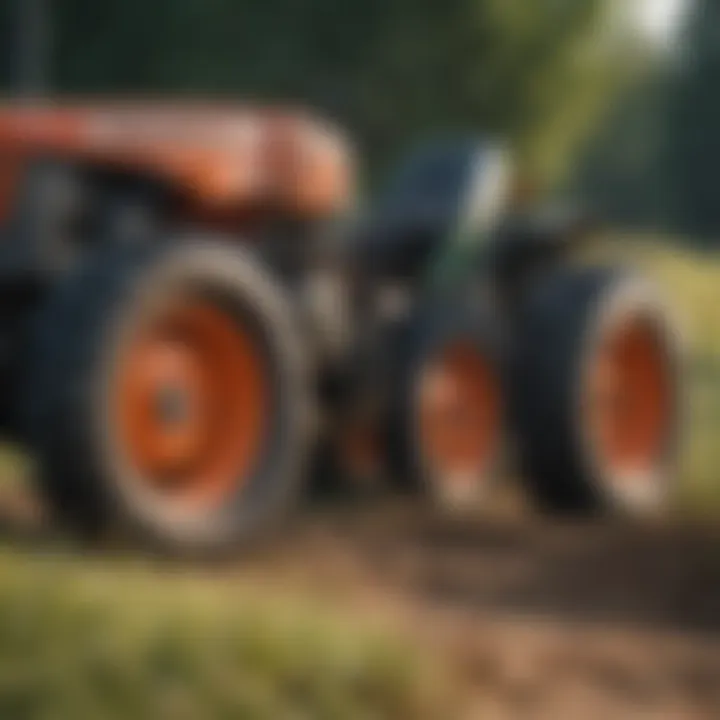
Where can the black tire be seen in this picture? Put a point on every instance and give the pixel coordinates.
(84, 468)
(436, 335)
(563, 324)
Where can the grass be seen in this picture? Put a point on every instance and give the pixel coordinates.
(106, 639)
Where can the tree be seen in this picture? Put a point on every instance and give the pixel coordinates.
(692, 154)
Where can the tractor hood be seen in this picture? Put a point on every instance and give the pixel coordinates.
(218, 154)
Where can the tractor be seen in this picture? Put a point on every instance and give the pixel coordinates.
(194, 301)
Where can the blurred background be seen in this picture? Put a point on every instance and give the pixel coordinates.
(611, 94)
(612, 101)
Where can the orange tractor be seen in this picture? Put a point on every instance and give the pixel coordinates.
(192, 305)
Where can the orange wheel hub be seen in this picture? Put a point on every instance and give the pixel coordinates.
(630, 399)
(193, 402)
(459, 413)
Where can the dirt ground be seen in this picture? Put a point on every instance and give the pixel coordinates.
(536, 620)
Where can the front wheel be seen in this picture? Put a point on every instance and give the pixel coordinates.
(595, 385)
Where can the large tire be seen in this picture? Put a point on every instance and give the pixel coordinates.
(595, 388)
(447, 421)
(167, 397)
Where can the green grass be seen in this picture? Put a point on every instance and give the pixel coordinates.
(96, 639)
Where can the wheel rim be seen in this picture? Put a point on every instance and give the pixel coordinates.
(630, 407)
(193, 402)
(459, 415)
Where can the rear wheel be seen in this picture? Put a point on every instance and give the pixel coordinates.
(450, 422)
(168, 397)
(596, 397)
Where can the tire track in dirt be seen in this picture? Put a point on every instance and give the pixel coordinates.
(538, 619)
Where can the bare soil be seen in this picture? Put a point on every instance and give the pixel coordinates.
(535, 619)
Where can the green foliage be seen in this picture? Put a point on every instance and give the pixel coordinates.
(537, 73)
(657, 160)
(692, 156)
(621, 172)
(101, 640)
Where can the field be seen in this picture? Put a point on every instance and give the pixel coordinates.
(359, 612)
